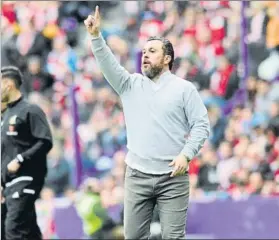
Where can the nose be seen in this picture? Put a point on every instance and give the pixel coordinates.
(145, 57)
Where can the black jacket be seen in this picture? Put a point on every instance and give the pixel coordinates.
(25, 135)
(274, 125)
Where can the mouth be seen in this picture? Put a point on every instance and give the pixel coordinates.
(146, 62)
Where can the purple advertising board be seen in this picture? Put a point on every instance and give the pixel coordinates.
(255, 218)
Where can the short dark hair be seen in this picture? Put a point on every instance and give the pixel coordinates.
(13, 73)
(167, 48)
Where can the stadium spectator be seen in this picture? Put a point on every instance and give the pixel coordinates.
(58, 176)
(25, 43)
(207, 176)
(36, 79)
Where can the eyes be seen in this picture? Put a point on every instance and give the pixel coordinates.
(150, 50)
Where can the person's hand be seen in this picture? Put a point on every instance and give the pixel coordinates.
(13, 166)
(180, 165)
(92, 23)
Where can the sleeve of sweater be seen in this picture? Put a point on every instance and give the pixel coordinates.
(118, 77)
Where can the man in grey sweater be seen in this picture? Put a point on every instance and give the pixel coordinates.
(167, 124)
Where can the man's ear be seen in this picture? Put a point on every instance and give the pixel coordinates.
(167, 59)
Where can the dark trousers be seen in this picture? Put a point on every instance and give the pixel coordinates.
(21, 219)
(3, 219)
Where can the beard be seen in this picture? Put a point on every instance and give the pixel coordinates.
(4, 99)
(4, 96)
(5, 93)
(152, 71)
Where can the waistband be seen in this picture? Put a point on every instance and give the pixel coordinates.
(19, 179)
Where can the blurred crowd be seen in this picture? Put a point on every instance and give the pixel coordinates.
(48, 42)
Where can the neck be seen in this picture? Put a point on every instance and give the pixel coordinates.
(14, 96)
(156, 78)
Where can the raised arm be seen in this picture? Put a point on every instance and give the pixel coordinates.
(116, 75)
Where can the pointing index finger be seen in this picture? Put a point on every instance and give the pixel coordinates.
(97, 14)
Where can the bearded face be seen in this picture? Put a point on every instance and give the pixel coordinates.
(153, 59)
(151, 70)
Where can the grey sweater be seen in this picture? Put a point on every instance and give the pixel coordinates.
(163, 119)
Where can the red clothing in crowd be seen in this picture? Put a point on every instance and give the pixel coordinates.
(220, 80)
(194, 167)
(8, 11)
(214, 4)
(152, 27)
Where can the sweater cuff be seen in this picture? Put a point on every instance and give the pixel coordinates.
(188, 153)
(20, 158)
(97, 42)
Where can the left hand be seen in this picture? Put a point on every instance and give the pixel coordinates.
(180, 165)
(13, 166)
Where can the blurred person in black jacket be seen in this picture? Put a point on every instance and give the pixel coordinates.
(25, 141)
(207, 178)
(36, 79)
(58, 176)
(28, 42)
(274, 121)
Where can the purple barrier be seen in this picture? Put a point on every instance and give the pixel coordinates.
(255, 218)
(247, 219)
(67, 223)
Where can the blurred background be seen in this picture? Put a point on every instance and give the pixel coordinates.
(228, 49)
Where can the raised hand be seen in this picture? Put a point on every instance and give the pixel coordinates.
(92, 23)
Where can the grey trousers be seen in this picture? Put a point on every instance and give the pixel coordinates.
(142, 192)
